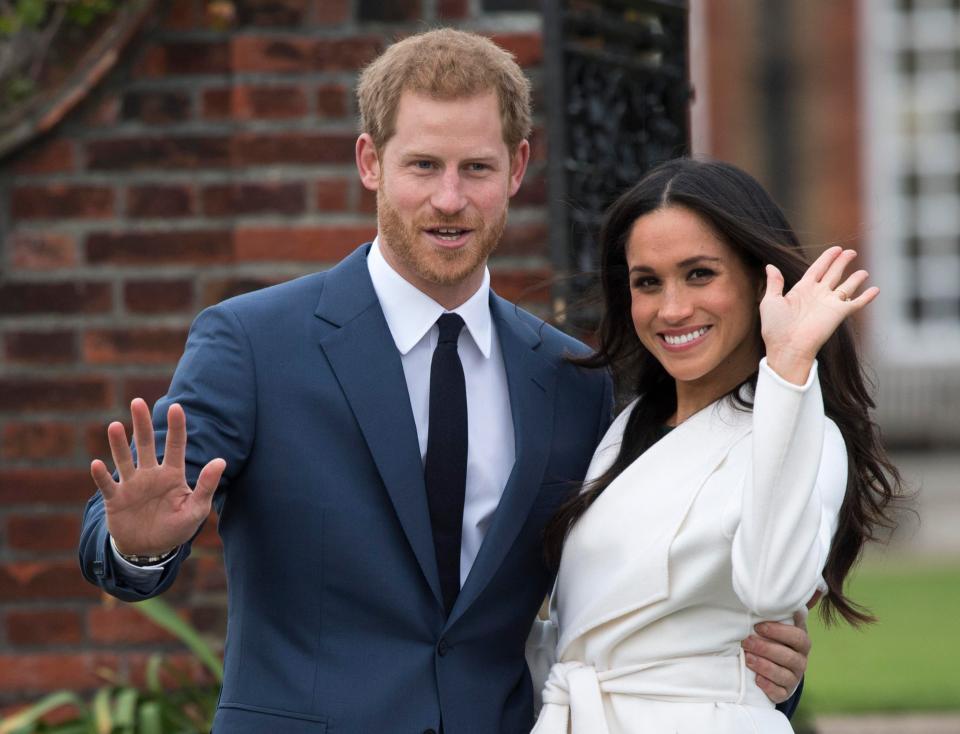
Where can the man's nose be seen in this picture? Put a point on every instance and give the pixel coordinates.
(448, 197)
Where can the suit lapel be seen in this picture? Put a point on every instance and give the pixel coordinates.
(364, 358)
(531, 381)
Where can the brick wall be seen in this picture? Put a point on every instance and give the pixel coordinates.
(210, 162)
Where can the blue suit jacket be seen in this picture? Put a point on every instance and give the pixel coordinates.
(335, 615)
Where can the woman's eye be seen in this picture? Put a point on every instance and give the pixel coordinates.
(701, 274)
(645, 283)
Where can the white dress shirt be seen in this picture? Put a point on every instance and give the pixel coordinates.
(411, 317)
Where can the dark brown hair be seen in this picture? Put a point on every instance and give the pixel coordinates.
(744, 216)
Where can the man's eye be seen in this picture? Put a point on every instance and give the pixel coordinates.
(423, 165)
(476, 167)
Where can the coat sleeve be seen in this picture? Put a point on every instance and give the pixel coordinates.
(215, 383)
(791, 498)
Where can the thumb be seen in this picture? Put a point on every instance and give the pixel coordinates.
(774, 282)
(208, 481)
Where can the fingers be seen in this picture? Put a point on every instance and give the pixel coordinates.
(120, 450)
(834, 273)
(777, 694)
(143, 433)
(822, 264)
(176, 444)
(207, 484)
(789, 637)
(779, 675)
(864, 298)
(774, 282)
(103, 479)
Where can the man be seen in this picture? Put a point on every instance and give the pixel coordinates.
(382, 577)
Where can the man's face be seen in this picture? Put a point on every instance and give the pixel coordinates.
(443, 183)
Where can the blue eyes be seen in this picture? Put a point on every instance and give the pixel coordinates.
(471, 167)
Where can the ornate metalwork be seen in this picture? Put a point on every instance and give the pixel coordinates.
(618, 94)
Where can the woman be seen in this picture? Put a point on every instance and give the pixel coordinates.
(741, 483)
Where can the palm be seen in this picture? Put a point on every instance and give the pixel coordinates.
(152, 509)
(800, 321)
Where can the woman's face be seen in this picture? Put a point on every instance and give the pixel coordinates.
(694, 302)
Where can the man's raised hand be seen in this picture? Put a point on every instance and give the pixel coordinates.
(152, 510)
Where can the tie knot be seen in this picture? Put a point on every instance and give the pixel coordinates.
(450, 325)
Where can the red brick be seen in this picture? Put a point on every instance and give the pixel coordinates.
(253, 53)
(43, 533)
(38, 441)
(453, 9)
(215, 291)
(538, 145)
(42, 250)
(533, 192)
(249, 103)
(332, 101)
(209, 538)
(209, 573)
(41, 672)
(74, 393)
(160, 201)
(397, 11)
(345, 54)
(272, 13)
(47, 486)
(123, 624)
(47, 580)
(240, 199)
(367, 200)
(44, 627)
(129, 154)
(102, 111)
(133, 346)
(36, 298)
(294, 148)
(158, 296)
(40, 347)
(182, 15)
(524, 239)
(150, 389)
(523, 286)
(527, 48)
(209, 620)
(308, 244)
(333, 195)
(50, 156)
(95, 439)
(62, 201)
(271, 53)
(186, 666)
(185, 58)
(156, 107)
(331, 12)
(151, 248)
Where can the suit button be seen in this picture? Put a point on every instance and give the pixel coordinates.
(443, 647)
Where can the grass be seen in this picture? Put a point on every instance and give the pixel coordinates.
(908, 661)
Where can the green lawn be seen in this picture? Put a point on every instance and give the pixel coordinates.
(908, 660)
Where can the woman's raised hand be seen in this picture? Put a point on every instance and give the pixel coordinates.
(152, 509)
(794, 325)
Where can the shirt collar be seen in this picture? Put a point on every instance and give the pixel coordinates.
(410, 312)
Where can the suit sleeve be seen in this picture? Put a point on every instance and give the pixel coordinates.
(791, 499)
(215, 383)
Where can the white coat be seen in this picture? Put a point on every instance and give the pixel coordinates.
(724, 522)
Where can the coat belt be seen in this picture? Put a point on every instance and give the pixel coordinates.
(573, 696)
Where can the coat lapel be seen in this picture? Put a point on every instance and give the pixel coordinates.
(531, 381)
(364, 358)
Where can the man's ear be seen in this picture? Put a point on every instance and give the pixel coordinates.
(368, 162)
(518, 165)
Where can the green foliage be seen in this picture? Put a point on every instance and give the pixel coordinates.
(905, 662)
(121, 708)
(31, 15)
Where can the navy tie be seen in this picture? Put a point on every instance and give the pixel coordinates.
(445, 472)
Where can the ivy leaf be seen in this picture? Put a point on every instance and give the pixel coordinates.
(32, 12)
